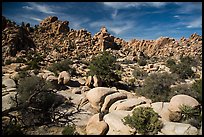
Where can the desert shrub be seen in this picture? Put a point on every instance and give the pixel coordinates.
(183, 68)
(63, 65)
(170, 63)
(139, 73)
(12, 129)
(103, 66)
(20, 60)
(157, 86)
(197, 87)
(42, 101)
(69, 130)
(8, 62)
(31, 85)
(191, 115)
(23, 74)
(142, 61)
(145, 120)
(34, 60)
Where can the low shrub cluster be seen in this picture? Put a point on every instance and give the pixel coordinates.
(69, 130)
(145, 120)
(38, 93)
(139, 73)
(183, 68)
(63, 65)
(157, 86)
(104, 66)
(188, 114)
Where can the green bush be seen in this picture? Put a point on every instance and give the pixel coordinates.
(142, 61)
(157, 86)
(69, 130)
(8, 62)
(42, 101)
(191, 115)
(103, 66)
(170, 63)
(145, 120)
(30, 85)
(139, 73)
(188, 112)
(183, 68)
(62, 66)
(20, 60)
(12, 129)
(34, 60)
(197, 87)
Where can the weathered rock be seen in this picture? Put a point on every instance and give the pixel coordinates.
(97, 81)
(178, 100)
(96, 125)
(110, 99)
(97, 95)
(64, 77)
(173, 128)
(116, 126)
(126, 104)
(9, 83)
(89, 81)
(7, 101)
(162, 109)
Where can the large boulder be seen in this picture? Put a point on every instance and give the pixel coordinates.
(96, 125)
(64, 77)
(126, 104)
(116, 126)
(9, 83)
(174, 128)
(110, 99)
(162, 109)
(7, 101)
(178, 100)
(97, 95)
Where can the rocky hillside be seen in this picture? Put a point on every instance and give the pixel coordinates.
(83, 91)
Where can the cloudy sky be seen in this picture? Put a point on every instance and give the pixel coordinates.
(127, 20)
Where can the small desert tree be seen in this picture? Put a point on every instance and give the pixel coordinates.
(103, 66)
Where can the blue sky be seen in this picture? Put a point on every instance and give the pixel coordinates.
(127, 20)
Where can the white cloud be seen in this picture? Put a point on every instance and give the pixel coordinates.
(40, 7)
(36, 19)
(197, 23)
(189, 7)
(176, 16)
(116, 26)
(122, 5)
(28, 7)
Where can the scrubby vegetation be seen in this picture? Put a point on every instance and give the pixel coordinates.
(157, 86)
(142, 61)
(191, 115)
(144, 120)
(63, 65)
(35, 102)
(182, 68)
(103, 66)
(69, 130)
(139, 73)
